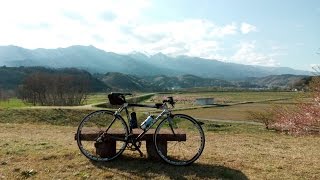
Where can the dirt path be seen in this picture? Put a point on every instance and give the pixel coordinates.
(230, 121)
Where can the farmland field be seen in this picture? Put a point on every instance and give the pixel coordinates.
(39, 144)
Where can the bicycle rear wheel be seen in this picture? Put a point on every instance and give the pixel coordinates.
(101, 136)
(179, 140)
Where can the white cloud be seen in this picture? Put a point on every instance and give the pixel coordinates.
(247, 54)
(192, 37)
(115, 25)
(64, 23)
(247, 28)
(230, 29)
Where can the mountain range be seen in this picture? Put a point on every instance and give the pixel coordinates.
(96, 60)
(13, 77)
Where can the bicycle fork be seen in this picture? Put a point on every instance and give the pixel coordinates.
(171, 125)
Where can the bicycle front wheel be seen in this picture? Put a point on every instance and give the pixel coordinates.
(102, 136)
(179, 140)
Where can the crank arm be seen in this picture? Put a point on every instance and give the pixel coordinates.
(138, 149)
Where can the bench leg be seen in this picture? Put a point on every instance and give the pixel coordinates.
(151, 149)
(106, 149)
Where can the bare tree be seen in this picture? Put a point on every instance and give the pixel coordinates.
(54, 89)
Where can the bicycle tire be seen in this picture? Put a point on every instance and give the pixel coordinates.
(182, 152)
(113, 142)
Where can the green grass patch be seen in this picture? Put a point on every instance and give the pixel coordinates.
(13, 103)
(96, 98)
(43, 116)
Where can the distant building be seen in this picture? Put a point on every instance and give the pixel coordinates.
(204, 101)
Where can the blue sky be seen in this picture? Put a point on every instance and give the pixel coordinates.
(268, 32)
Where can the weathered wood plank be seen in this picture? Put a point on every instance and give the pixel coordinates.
(165, 136)
(108, 147)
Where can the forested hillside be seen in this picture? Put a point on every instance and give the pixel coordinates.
(13, 77)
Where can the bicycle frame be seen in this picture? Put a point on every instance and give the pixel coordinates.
(125, 106)
(108, 141)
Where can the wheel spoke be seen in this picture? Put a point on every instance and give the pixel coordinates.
(181, 151)
(103, 136)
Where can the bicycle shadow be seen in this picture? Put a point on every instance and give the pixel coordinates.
(151, 169)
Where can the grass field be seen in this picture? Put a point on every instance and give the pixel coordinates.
(236, 112)
(232, 152)
(39, 144)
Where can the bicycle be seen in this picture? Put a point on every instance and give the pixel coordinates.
(105, 126)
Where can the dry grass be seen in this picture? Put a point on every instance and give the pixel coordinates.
(235, 112)
(232, 152)
(232, 97)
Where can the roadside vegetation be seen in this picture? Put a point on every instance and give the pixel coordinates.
(298, 119)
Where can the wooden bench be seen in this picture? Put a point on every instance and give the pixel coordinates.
(108, 148)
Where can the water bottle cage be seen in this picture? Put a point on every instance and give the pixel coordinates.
(133, 121)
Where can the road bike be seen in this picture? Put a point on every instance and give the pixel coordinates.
(178, 138)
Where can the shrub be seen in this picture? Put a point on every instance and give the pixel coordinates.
(303, 118)
(265, 117)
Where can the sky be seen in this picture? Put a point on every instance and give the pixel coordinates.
(277, 33)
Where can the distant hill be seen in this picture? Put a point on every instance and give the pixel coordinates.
(98, 61)
(186, 81)
(278, 81)
(125, 82)
(12, 77)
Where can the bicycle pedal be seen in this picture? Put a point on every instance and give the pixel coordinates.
(138, 149)
(141, 154)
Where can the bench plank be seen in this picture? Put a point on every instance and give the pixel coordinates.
(108, 148)
(166, 136)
